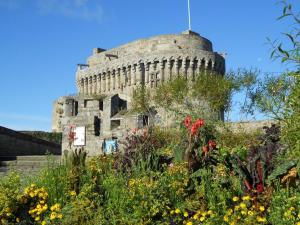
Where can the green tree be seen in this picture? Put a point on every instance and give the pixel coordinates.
(290, 53)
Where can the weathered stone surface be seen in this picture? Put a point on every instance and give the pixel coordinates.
(106, 83)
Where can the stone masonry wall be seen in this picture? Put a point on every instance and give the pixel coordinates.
(13, 143)
(147, 62)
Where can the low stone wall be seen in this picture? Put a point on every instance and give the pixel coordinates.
(249, 126)
(13, 143)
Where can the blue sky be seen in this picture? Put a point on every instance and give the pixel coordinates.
(41, 41)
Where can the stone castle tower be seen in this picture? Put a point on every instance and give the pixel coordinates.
(105, 84)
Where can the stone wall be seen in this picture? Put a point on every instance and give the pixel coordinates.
(106, 82)
(249, 126)
(147, 62)
(13, 143)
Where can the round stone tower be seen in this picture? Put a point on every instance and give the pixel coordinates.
(147, 62)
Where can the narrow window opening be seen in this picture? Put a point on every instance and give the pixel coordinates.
(101, 105)
(76, 108)
(145, 120)
(97, 124)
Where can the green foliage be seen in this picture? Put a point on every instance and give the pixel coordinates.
(9, 188)
(215, 89)
(227, 138)
(281, 170)
(53, 177)
(75, 161)
(291, 54)
(284, 207)
(153, 183)
(141, 102)
(209, 91)
(269, 96)
(47, 136)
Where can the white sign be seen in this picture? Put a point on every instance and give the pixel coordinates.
(79, 136)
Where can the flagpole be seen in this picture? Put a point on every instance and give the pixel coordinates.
(189, 13)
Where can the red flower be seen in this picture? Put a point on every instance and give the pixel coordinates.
(194, 129)
(212, 144)
(187, 121)
(260, 187)
(71, 134)
(199, 122)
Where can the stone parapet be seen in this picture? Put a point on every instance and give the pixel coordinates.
(148, 62)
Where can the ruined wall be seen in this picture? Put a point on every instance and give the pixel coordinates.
(13, 143)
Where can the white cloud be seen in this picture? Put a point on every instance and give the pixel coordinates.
(89, 10)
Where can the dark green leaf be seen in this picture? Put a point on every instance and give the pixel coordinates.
(285, 15)
(291, 38)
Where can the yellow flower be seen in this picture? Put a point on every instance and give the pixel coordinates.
(177, 211)
(189, 223)
(45, 207)
(299, 215)
(261, 219)
(195, 217)
(53, 216)
(225, 218)
(37, 218)
(232, 223)
(298, 223)
(246, 198)
(243, 205)
(237, 207)
(229, 211)
(209, 212)
(55, 207)
(59, 216)
(17, 219)
(185, 214)
(250, 213)
(287, 213)
(202, 218)
(73, 193)
(44, 222)
(243, 212)
(262, 208)
(172, 212)
(235, 198)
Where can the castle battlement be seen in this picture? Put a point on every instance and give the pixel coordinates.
(147, 62)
